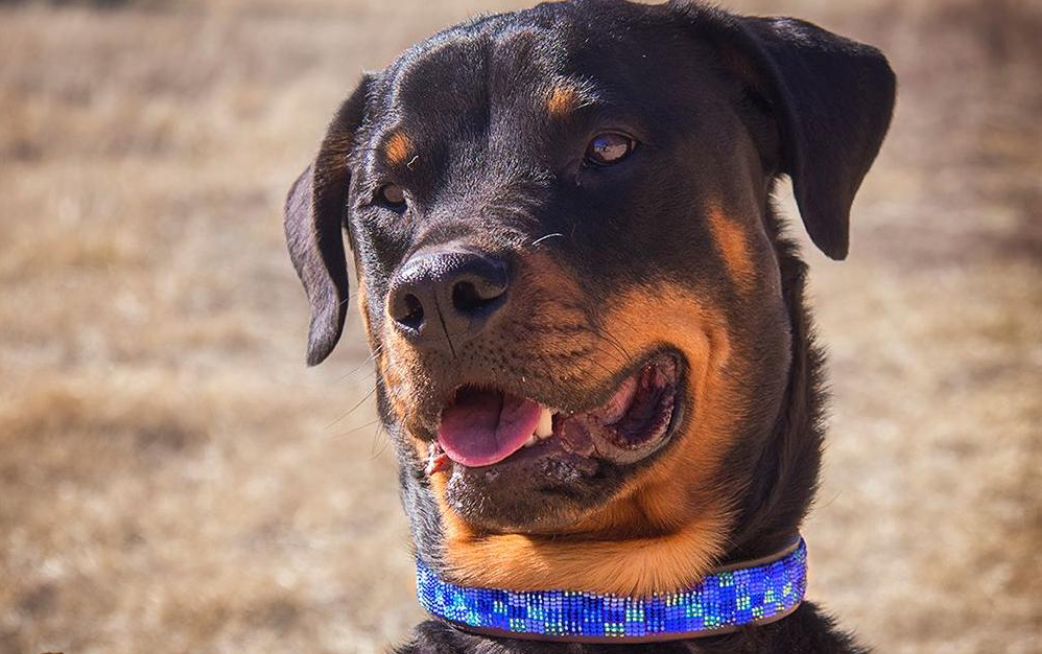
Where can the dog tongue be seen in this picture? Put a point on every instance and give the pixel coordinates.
(485, 427)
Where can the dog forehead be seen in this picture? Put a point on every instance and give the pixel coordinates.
(461, 74)
(513, 62)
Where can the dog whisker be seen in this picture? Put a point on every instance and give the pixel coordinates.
(372, 357)
(610, 340)
(358, 428)
(545, 238)
(360, 402)
(379, 446)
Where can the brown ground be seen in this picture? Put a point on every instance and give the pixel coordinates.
(172, 479)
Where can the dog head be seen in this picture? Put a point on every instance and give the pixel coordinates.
(568, 270)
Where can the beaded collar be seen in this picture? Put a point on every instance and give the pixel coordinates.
(750, 593)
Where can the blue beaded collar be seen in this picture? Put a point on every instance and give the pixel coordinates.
(753, 593)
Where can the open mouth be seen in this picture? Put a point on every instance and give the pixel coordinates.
(484, 427)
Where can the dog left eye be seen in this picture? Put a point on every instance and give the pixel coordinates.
(608, 149)
(392, 195)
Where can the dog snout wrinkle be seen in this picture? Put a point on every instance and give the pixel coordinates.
(440, 300)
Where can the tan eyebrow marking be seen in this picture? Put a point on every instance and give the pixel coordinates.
(562, 100)
(398, 148)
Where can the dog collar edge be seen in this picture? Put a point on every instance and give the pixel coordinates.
(751, 593)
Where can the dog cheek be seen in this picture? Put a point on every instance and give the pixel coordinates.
(696, 325)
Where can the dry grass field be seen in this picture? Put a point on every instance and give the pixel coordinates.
(172, 478)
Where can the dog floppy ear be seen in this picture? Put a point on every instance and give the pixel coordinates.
(313, 219)
(831, 97)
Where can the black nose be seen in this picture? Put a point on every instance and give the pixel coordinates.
(445, 298)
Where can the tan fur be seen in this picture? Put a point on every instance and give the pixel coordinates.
(397, 385)
(733, 244)
(562, 100)
(398, 149)
(363, 310)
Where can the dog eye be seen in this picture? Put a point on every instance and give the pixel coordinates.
(392, 195)
(608, 149)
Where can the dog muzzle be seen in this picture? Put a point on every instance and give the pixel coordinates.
(745, 594)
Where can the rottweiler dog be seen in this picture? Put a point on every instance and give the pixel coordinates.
(594, 358)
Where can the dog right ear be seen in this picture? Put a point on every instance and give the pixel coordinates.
(832, 100)
(314, 218)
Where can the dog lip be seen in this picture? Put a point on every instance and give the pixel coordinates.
(635, 420)
(647, 422)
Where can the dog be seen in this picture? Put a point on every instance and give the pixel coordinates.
(594, 358)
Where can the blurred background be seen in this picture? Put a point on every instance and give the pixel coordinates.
(173, 479)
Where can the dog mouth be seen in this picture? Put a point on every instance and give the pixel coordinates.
(483, 427)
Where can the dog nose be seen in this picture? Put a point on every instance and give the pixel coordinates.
(445, 298)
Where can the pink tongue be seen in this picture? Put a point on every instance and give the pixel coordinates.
(485, 427)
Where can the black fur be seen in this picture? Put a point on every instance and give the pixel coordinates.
(707, 92)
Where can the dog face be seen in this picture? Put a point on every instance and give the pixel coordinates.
(566, 270)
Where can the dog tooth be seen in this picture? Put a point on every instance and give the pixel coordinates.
(545, 427)
(532, 440)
